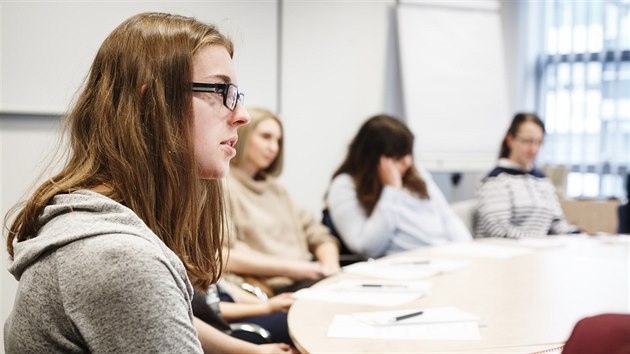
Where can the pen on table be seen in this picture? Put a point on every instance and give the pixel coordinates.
(382, 286)
(409, 315)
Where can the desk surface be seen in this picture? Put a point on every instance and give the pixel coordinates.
(529, 302)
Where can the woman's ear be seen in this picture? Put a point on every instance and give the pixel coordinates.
(509, 139)
(143, 90)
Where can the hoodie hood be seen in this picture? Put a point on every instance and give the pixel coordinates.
(75, 216)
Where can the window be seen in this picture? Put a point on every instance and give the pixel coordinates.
(583, 92)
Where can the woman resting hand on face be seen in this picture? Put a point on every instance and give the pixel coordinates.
(380, 203)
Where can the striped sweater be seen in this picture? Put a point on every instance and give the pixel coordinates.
(518, 204)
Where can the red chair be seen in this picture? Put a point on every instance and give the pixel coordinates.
(605, 334)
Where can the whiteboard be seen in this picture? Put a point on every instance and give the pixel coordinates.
(47, 47)
(454, 84)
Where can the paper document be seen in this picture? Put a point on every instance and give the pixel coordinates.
(425, 316)
(612, 239)
(367, 292)
(483, 249)
(543, 242)
(404, 268)
(447, 323)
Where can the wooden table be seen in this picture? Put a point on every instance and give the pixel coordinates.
(528, 302)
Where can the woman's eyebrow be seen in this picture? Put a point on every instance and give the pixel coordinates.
(224, 78)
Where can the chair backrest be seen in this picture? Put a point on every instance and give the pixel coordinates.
(346, 257)
(605, 334)
(205, 306)
(592, 215)
(467, 211)
(327, 220)
(623, 214)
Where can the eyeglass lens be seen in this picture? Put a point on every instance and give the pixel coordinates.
(233, 96)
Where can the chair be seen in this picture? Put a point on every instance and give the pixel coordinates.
(256, 289)
(623, 214)
(605, 334)
(467, 211)
(346, 257)
(206, 307)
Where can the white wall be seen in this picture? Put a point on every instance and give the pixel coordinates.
(334, 67)
(26, 142)
(338, 67)
(1, 81)
(43, 64)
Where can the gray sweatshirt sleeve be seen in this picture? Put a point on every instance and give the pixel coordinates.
(124, 296)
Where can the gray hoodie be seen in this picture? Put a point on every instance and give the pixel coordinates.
(97, 279)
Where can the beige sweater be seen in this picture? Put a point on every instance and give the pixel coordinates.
(267, 221)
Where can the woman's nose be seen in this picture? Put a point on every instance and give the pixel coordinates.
(240, 116)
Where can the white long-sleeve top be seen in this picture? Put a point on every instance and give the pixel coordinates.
(400, 220)
(519, 204)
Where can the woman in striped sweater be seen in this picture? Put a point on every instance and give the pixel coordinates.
(515, 199)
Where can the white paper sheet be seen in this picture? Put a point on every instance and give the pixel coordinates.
(537, 243)
(483, 249)
(367, 292)
(440, 324)
(404, 268)
(430, 315)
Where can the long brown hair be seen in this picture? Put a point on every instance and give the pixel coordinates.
(381, 135)
(518, 119)
(130, 130)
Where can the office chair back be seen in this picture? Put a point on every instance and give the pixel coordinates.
(601, 334)
(206, 307)
(346, 257)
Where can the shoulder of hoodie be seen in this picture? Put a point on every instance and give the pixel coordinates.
(112, 252)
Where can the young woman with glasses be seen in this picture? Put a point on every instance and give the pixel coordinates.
(516, 200)
(108, 250)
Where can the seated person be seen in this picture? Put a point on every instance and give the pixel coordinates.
(380, 203)
(515, 199)
(273, 238)
(214, 341)
(238, 305)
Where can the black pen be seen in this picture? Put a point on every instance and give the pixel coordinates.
(409, 315)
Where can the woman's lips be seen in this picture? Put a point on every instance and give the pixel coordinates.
(229, 146)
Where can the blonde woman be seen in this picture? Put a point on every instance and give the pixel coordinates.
(275, 239)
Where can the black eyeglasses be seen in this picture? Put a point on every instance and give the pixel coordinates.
(230, 93)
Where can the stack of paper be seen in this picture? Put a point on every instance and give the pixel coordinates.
(443, 323)
(404, 268)
(367, 292)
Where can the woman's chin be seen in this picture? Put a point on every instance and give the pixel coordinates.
(216, 173)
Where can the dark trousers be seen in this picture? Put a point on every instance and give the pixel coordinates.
(275, 323)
